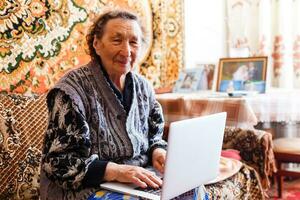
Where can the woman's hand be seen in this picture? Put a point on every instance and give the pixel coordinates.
(158, 159)
(131, 174)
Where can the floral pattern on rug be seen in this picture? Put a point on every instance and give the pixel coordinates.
(37, 27)
(40, 40)
(22, 124)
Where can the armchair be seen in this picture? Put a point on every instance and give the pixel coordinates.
(256, 150)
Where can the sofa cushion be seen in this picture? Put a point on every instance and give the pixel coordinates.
(22, 124)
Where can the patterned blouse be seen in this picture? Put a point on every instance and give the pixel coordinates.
(90, 123)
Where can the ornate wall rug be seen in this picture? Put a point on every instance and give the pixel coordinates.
(40, 40)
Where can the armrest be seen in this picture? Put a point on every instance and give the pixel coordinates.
(256, 150)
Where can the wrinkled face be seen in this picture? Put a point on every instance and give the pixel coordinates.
(119, 46)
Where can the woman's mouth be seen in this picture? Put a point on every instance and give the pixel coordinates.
(124, 62)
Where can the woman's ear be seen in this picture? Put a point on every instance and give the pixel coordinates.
(95, 42)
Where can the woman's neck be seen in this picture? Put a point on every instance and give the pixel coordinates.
(118, 80)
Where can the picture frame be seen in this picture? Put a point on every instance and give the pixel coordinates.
(242, 74)
(207, 77)
(188, 80)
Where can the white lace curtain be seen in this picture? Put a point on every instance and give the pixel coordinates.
(268, 28)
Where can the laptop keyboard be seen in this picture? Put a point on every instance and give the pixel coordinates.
(156, 191)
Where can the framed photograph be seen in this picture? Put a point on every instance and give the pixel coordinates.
(242, 74)
(188, 80)
(207, 77)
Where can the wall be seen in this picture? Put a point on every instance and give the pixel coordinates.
(204, 31)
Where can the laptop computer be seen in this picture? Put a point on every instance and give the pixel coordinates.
(193, 156)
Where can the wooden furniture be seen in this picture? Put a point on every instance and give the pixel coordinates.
(274, 106)
(286, 150)
(178, 106)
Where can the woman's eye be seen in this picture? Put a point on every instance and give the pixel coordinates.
(134, 43)
(116, 40)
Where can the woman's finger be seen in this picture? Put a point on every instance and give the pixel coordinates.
(137, 181)
(156, 179)
(146, 178)
(159, 166)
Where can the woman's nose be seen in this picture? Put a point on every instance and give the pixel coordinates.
(126, 49)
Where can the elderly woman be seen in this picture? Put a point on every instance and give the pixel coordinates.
(104, 121)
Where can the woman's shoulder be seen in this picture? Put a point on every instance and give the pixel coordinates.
(142, 83)
(77, 72)
(74, 82)
(140, 78)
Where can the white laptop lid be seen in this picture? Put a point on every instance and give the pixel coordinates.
(193, 154)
